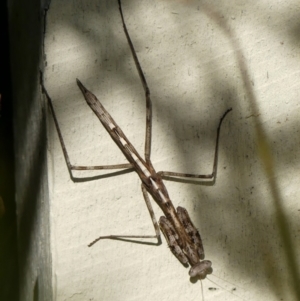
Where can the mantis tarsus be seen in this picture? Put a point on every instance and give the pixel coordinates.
(183, 238)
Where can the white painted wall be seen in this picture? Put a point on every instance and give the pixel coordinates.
(192, 71)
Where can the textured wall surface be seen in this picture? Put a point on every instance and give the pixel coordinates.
(199, 59)
(26, 41)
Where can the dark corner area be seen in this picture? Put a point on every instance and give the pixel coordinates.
(8, 233)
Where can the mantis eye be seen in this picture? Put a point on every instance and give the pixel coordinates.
(201, 269)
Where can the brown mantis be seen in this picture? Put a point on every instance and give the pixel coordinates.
(182, 237)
